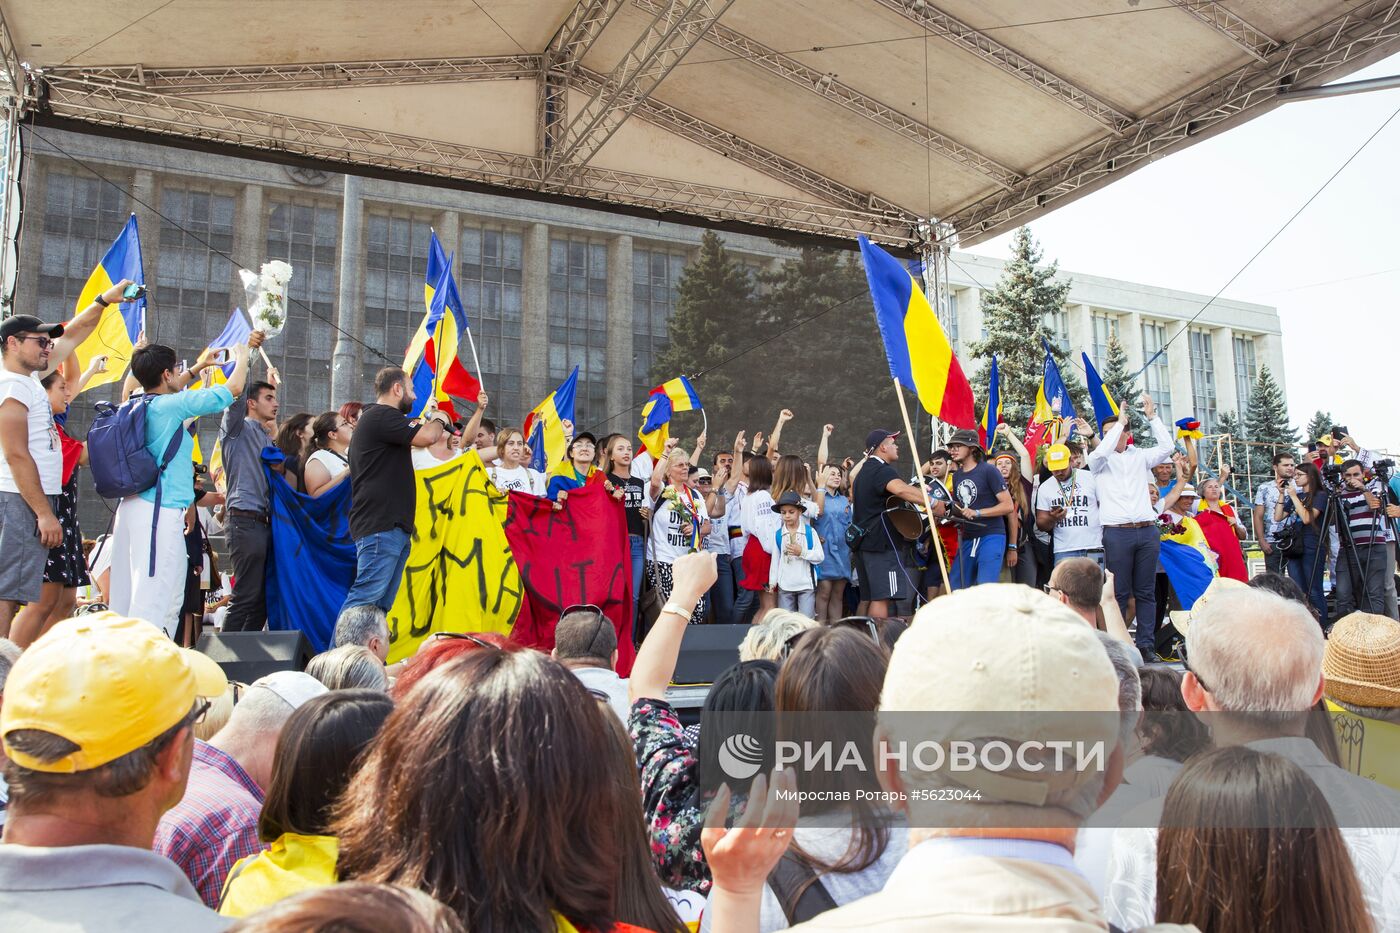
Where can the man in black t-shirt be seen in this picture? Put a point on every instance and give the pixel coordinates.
(383, 489)
(982, 502)
(883, 577)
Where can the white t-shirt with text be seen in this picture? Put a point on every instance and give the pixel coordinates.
(44, 445)
(1079, 529)
(668, 538)
(519, 479)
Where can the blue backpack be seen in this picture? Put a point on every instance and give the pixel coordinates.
(117, 456)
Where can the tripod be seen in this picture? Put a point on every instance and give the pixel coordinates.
(1334, 513)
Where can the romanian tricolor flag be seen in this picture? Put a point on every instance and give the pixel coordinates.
(121, 325)
(918, 350)
(235, 333)
(1052, 406)
(666, 399)
(544, 426)
(431, 360)
(991, 417)
(1187, 560)
(1104, 405)
(1188, 427)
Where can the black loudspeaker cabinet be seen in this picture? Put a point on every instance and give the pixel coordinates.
(708, 651)
(246, 656)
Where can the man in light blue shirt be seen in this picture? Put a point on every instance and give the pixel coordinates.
(149, 560)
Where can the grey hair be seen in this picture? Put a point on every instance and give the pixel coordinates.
(1378, 713)
(1256, 652)
(358, 624)
(260, 712)
(764, 641)
(348, 667)
(1129, 687)
(9, 654)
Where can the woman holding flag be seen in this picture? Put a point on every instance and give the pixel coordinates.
(679, 523)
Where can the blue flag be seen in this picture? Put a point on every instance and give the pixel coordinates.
(312, 563)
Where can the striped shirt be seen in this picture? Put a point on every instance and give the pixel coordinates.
(1367, 525)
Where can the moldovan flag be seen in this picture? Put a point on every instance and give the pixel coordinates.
(918, 351)
(1188, 561)
(1052, 406)
(544, 426)
(431, 360)
(991, 417)
(1104, 405)
(121, 325)
(666, 399)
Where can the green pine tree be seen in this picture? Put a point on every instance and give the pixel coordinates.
(1320, 424)
(1015, 316)
(1121, 384)
(1266, 423)
(713, 314)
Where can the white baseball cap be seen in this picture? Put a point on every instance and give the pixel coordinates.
(293, 687)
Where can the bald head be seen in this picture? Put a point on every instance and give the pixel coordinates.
(1256, 652)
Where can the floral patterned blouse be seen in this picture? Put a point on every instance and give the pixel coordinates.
(669, 762)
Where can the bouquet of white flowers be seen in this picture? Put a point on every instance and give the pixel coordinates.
(681, 505)
(267, 295)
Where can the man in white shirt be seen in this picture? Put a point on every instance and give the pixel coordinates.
(1122, 474)
(1256, 653)
(1068, 505)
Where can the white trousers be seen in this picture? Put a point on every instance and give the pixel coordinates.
(135, 593)
(803, 601)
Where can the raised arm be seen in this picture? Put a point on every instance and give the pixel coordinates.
(732, 485)
(784, 417)
(699, 446)
(1193, 460)
(692, 575)
(81, 327)
(1164, 446)
(98, 364)
(474, 423)
(823, 446)
(1027, 467)
(1098, 457)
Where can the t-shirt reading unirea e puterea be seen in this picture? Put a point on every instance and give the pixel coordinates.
(668, 538)
(977, 488)
(1079, 528)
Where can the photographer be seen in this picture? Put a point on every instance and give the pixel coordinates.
(1266, 501)
(1366, 564)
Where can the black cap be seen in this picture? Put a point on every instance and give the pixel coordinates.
(877, 437)
(583, 436)
(966, 437)
(28, 324)
(788, 498)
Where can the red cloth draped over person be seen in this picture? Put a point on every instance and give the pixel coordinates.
(1219, 530)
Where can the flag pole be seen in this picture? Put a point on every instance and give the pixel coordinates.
(475, 362)
(923, 488)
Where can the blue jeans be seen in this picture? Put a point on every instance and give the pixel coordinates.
(722, 593)
(1096, 555)
(639, 547)
(1300, 568)
(379, 562)
(744, 603)
(979, 560)
(1131, 555)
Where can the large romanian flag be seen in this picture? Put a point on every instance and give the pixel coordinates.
(672, 396)
(121, 324)
(918, 350)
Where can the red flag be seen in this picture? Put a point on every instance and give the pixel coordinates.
(576, 555)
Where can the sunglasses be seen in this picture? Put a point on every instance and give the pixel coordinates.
(44, 342)
(200, 711)
(465, 636)
(868, 624)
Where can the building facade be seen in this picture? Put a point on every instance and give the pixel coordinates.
(545, 286)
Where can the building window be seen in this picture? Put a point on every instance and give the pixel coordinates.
(949, 320)
(1058, 323)
(396, 270)
(1203, 378)
(1157, 376)
(1245, 371)
(655, 275)
(492, 286)
(307, 236)
(194, 283)
(82, 216)
(578, 322)
(1105, 326)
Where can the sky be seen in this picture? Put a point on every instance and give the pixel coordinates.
(1191, 220)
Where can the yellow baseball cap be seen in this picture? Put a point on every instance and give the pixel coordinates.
(107, 684)
(1057, 457)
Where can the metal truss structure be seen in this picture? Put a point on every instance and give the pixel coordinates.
(944, 26)
(1370, 28)
(109, 103)
(1232, 27)
(791, 70)
(674, 31)
(566, 49)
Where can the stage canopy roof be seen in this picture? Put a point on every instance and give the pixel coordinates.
(824, 117)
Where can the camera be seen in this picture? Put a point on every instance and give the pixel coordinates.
(1332, 473)
(200, 469)
(1382, 469)
(134, 292)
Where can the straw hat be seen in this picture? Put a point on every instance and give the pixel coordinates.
(1362, 661)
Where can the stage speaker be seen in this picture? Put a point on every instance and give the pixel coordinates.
(246, 656)
(707, 651)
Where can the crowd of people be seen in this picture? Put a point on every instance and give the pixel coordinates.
(482, 785)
